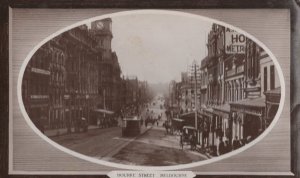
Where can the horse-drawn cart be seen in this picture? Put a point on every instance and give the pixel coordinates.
(188, 136)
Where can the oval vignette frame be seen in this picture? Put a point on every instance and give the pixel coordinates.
(157, 168)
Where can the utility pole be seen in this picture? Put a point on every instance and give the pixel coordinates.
(194, 73)
(195, 93)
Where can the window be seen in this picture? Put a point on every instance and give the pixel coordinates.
(272, 77)
(265, 78)
(24, 88)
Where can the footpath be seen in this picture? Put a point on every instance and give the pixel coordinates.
(64, 131)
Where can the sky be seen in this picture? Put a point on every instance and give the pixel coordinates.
(157, 48)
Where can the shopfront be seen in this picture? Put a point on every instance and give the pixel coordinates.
(103, 116)
(272, 104)
(248, 118)
(207, 125)
(222, 113)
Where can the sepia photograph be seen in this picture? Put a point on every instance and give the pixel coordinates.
(152, 89)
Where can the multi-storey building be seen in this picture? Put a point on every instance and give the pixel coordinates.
(71, 76)
(35, 90)
(57, 84)
(82, 65)
(270, 87)
(131, 90)
(110, 72)
(186, 101)
(233, 88)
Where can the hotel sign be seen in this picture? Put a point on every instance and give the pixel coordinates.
(235, 43)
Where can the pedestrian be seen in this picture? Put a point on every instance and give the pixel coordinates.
(221, 147)
(181, 140)
(191, 141)
(157, 123)
(228, 146)
(240, 142)
(235, 143)
(166, 127)
(194, 140)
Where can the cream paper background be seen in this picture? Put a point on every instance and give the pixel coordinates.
(30, 154)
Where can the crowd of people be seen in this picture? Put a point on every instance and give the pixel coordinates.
(152, 118)
(108, 122)
(129, 111)
(227, 146)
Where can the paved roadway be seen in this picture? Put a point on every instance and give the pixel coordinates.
(152, 148)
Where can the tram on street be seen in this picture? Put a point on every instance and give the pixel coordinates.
(131, 126)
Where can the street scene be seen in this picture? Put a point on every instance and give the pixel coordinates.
(179, 92)
(153, 146)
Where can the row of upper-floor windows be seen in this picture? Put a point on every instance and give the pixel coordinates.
(34, 87)
(269, 78)
(40, 60)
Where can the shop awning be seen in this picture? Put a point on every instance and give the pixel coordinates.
(104, 111)
(256, 102)
(273, 96)
(210, 110)
(223, 108)
(275, 91)
(189, 116)
(189, 127)
(178, 120)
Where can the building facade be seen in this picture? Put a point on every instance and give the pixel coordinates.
(239, 92)
(35, 90)
(71, 76)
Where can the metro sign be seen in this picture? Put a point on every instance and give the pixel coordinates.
(235, 43)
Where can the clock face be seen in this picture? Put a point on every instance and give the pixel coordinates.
(100, 25)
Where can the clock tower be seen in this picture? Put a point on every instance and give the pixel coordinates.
(103, 33)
